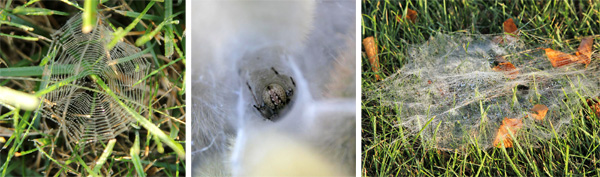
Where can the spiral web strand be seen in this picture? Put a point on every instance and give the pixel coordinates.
(84, 111)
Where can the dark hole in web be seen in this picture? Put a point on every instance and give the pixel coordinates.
(523, 89)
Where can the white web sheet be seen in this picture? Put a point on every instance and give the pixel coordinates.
(450, 80)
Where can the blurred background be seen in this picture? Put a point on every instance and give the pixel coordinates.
(307, 47)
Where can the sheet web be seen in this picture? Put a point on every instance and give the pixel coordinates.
(84, 111)
(450, 93)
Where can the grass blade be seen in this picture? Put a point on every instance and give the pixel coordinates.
(72, 4)
(146, 37)
(18, 99)
(33, 71)
(156, 71)
(104, 156)
(168, 29)
(136, 14)
(24, 27)
(120, 33)
(20, 10)
(28, 38)
(135, 156)
(89, 15)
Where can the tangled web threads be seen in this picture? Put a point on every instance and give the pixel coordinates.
(450, 93)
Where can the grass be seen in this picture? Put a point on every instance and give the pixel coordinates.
(154, 143)
(389, 150)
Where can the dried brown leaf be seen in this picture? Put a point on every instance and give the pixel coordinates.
(558, 58)
(510, 27)
(540, 111)
(508, 68)
(595, 105)
(508, 124)
(371, 49)
(411, 15)
(583, 54)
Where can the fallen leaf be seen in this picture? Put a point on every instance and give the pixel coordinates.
(371, 49)
(508, 68)
(558, 58)
(410, 15)
(540, 111)
(510, 27)
(595, 105)
(583, 54)
(508, 124)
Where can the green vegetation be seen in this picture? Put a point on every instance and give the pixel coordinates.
(390, 150)
(33, 145)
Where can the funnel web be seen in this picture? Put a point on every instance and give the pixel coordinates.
(449, 94)
(86, 113)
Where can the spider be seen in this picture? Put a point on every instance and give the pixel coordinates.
(274, 98)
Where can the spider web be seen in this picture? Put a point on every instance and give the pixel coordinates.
(85, 113)
(449, 94)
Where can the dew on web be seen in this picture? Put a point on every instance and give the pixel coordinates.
(84, 111)
(455, 91)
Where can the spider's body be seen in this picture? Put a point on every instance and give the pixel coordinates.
(274, 98)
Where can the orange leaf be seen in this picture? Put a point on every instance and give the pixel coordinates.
(584, 52)
(508, 68)
(508, 124)
(595, 105)
(558, 58)
(510, 27)
(371, 49)
(540, 111)
(410, 15)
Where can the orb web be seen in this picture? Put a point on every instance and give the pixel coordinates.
(449, 94)
(85, 112)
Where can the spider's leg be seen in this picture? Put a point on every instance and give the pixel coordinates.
(294, 83)
(289, 93)
(272, 68)
(273, 114)
(253, 96)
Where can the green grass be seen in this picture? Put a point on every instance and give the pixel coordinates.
(153, 145)
(389, 150)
